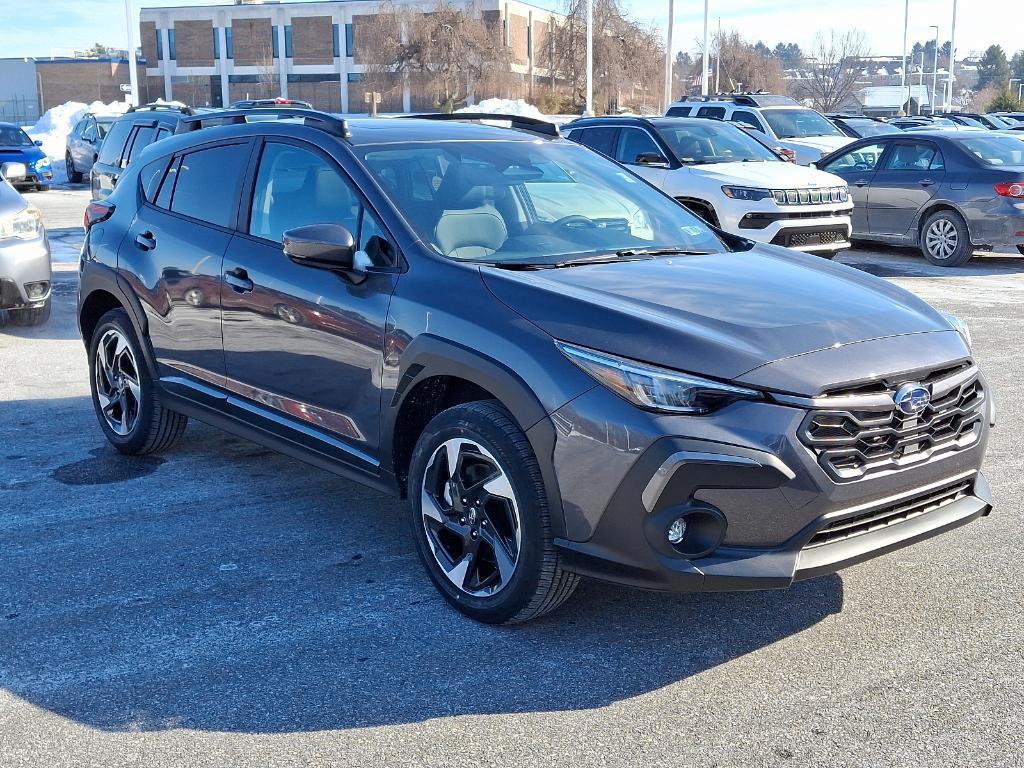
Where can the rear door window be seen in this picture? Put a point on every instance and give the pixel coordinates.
(113, 145)
(600, 139)
(206, 183)
(713, 112)
(677, 112)
(919, 156)
(143, 138)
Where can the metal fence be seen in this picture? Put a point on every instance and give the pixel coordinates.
(23, 110)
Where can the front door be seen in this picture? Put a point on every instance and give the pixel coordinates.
(906, 181)
(857, 167)
(302, 344)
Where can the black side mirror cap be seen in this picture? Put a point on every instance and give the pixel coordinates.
(323, 246)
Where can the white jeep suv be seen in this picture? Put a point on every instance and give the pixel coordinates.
(782, 121)
(729, 178)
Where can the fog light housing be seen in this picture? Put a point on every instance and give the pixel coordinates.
(36, 291)
(677, 531)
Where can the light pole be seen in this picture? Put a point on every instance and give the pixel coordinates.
(904, 82)
(590, 59)
(935, 65)
(133, 75)
(920, 83)
(952, 59)
(704, 71)
(668, 54)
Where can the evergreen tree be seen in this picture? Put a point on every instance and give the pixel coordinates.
(993, 69)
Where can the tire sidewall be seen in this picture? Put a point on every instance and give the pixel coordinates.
(463, 422)
(963, 251)
(134, 441)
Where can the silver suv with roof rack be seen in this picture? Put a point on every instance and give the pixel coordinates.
(784, 121)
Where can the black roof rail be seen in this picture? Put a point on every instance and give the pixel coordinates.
(531, 124)
(154, 106)
(327, 122)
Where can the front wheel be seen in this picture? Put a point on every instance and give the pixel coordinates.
(124, 395)
(74, 176)
(945, 240)
(480, 517)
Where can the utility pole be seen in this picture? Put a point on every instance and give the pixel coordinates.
(133, 75)
(904, 86)
(920, 83)
(590, 59)
(935, 66)
(704, 71)
(952, 60)
(668, 54)
(718, 58)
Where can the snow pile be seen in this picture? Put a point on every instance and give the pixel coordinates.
(54, 126)
(516, 107)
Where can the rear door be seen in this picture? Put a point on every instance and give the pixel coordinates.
(857, 166)
(173, 257)
(906, 180)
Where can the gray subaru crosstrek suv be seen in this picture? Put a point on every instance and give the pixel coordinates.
(24, 258)
(564, 371)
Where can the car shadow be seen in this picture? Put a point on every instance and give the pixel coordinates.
(883, 260)
(224, 587)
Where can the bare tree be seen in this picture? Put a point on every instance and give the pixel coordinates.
(832, 67)
(266, 73)
(744, 67)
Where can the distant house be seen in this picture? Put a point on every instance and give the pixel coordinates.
(892, 100)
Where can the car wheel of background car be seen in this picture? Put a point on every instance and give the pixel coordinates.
(1021, 249)
(123, 393)
(73, 176)
(945, 240)
(480, 517)
(32, 316)
(42, 187)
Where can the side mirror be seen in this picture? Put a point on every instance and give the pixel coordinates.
(14, 170)
(38, 143)
(651, 160)
(323, 246)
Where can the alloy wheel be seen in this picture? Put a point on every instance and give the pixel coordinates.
(69, 166)
(942, 239)
(471, 517)
(117, 382)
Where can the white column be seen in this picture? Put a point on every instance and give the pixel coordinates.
(904, 80)
(952, 61)
(222, 63)
(165, 63)
(133, 74)
(704, 64)
(668, 54)
(342, 63)
(282, 60)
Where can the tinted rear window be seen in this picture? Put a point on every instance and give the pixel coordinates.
(677, 112)
(143, 138)
(113, 144)
(206, 186)
(598, 138)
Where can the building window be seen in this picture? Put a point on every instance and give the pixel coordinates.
(229, 43)
(288, 40)
(337, 41)
(355, 77)
(159, 46)
(273, 39)
(171, 53)
(350, 41)
(216, 43)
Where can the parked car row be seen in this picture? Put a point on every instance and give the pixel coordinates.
(564, 370)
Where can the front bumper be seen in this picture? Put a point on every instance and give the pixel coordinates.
(784, 518)
(24, 263)
(823, 228)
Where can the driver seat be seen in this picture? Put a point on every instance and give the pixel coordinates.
(470, 228)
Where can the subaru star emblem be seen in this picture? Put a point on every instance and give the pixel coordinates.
(912, 399)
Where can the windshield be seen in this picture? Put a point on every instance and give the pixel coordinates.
(871, 127)
(999, 122)
(969, 121)
(529, 202)
(14, 137)
(799, 123)
(714, 143)
(996, 150)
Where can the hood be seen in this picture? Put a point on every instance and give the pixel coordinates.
(770, 175)
(720, 315)
(11, 200)
(32, 153)
(825, 144)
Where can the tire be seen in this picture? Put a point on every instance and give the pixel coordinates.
(75, 177)
(945, 239)
(29, 317)
(1021, 249)
(494, 460)
(133, 419)
(42, 187)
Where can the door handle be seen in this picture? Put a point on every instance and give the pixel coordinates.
(926, 182)
(239, 280)
(860, 183)
(145, 241)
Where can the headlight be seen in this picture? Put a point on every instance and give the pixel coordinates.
(960, 327)
(653, 388)
(746, 193)
(24, 225)
(44, 163)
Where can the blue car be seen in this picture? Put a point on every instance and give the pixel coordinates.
(17, 147)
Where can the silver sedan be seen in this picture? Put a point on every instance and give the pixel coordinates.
(24, 255)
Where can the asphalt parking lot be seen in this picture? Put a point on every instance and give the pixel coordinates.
(221, 605)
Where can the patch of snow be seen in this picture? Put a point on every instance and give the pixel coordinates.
(516, 107)
(57, 122)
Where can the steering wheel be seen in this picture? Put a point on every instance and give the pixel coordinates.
(576, 221)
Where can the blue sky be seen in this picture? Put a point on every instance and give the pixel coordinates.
(55, 27)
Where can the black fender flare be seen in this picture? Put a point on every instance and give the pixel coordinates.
(100, 277)
(428, 356)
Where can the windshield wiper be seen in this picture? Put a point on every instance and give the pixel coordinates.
(652, 252)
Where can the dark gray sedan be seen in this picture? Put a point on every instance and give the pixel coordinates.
(951, 192)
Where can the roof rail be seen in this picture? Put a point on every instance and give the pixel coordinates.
(327, 122)
(531, 124)
(154, 106)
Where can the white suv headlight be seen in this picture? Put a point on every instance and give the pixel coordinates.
(653, 388)
(24, 225)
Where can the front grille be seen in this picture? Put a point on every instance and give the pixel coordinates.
(801, 237)
(874, 520)
(851, 443)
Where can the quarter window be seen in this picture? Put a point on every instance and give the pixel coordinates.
(206, 183)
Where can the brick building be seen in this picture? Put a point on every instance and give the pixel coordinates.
(88, 80)
(216, 54)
